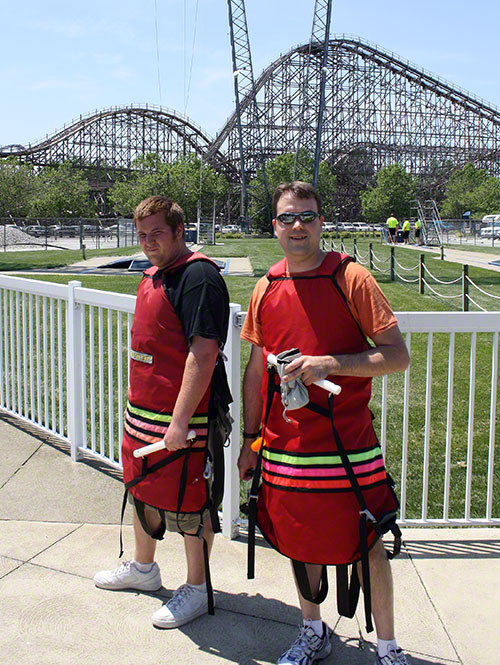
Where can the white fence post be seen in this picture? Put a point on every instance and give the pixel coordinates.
(75, 330)
(231, 501)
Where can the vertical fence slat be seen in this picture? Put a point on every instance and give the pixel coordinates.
(38, 362)
(25, 355)
(32, 358)
(111, 410)
(231, 501)
(92, 413)
(383, 415)
(75, 331)
(427, 435)
(3, 328)
(119, 341)
(53, 425)
(6, 347)
(45, 368)
(61, 364)
(12, 331)
(100, 346)
(470, 425)
(493, 413)
(406, 418)
(449, 425)
(19, 356)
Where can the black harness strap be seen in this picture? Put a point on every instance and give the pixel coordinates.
(199, 533)
(145, 470)
(347, 593)
(363, 534)
(300, 572)
(252, 500)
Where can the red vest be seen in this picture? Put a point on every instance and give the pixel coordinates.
(306, 507)
(159, 351)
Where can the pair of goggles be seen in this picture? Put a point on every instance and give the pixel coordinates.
(305, 217)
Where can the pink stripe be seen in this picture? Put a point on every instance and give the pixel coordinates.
(140, 423)
(141, 435)
(305, 471)
(161, 429)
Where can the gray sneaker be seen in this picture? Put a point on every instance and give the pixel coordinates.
(308, 647)
(186, 604)
(128, 576)
(394, 657)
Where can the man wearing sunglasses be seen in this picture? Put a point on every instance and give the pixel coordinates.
(309, 501)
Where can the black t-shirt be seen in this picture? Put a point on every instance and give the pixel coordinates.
(200, 299)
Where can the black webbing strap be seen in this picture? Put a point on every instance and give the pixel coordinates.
(364, 514)
(124, 505)
(347, 592)
(302, 578)
(208, 578)
(198, 534)
(145, 470)
(252, 500)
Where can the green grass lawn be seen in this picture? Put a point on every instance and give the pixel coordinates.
(263, 253)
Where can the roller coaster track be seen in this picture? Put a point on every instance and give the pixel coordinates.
(379, 109)
(360, 75)
(112, 138)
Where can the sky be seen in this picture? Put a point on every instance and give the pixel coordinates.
(61, 59)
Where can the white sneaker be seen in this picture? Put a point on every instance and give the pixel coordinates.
(394, 657)
(186, 604)
(308, 647)
(128, 576)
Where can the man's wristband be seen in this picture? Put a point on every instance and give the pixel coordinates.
(251, 435)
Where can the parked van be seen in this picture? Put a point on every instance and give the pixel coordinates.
(491, 228)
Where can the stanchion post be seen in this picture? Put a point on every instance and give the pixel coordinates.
(421, 274)
(465, 288)
(355, 250)
(392, 264)
(370, 255)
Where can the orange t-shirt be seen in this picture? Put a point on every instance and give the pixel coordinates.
(365, 298)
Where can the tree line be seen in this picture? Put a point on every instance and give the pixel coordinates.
(64, 191)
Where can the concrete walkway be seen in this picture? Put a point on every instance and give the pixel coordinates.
(463, 256)
(59, 525)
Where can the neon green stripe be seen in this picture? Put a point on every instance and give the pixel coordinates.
(163, 417)
(319, 459)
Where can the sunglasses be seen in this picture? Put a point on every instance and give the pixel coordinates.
(305, 217)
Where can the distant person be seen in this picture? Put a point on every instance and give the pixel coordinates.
(418, 230)
(177, 383)
(392, 227)
(406, 232)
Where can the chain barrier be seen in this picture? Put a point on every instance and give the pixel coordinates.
(374, 263)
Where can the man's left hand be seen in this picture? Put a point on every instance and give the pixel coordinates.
(309, 369)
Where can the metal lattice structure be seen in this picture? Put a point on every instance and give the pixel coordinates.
(110, 140)
(379, 109)
(313, 90)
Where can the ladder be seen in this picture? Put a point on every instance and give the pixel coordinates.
(430, 219)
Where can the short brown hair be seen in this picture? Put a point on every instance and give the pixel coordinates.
(302, 190)
(172, 212)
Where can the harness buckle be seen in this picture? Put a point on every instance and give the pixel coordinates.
(252, 496)
(208, 470)
(368, 515)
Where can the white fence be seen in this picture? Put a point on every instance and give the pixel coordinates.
(64, 355)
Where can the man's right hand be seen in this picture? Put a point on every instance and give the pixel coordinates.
(247, 461)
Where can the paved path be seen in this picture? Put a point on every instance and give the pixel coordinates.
(59, 524)
(477, 259)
